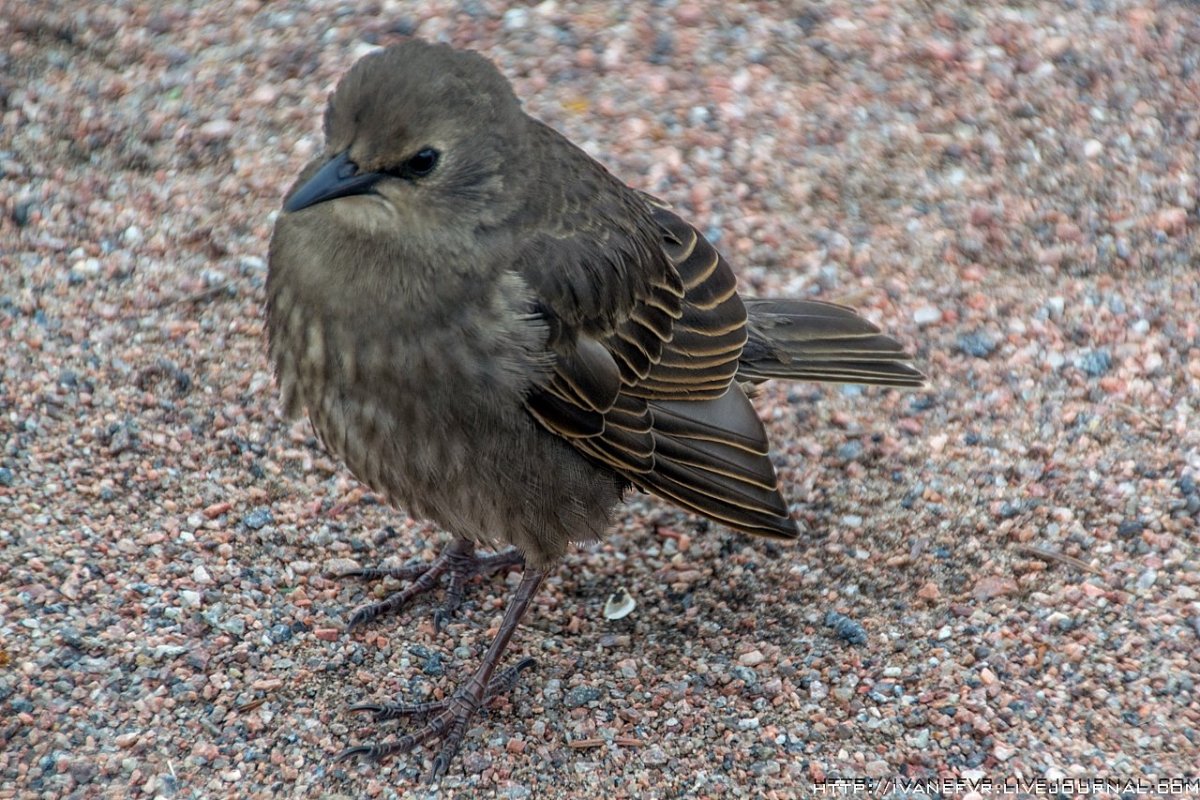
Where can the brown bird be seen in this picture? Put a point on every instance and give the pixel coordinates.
(496, 334)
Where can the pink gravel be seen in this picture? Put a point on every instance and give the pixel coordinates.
(1000, 575)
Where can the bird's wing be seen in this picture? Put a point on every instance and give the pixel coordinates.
(646, 330)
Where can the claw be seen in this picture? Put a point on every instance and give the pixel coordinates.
(449, 717)
(458, 558)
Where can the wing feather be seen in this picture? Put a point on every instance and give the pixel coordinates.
(649, 343)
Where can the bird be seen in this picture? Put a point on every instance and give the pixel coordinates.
(495, 333)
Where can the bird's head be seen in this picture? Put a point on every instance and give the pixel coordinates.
(417, 135)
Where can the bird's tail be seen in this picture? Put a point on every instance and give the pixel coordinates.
(808, 340)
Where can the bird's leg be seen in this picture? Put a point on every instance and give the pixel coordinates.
(448, 719)
(458, 558)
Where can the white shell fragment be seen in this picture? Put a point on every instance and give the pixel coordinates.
(620, 604)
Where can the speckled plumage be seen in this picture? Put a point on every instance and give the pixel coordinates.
(391, 403)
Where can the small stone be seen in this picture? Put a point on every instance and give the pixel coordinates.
(515, 19)
(22, 212)
(927, 315)
(189, 598)
(280, 633)
(1094, 362)
(1171, 220)
(1147, 579)
(655, 756)
(976, 343)
(991, 586)
(339, 566)
(251, 264)
(215, 510)
(1130, 528)
(258, 518)
(264, 95)
(846, 628)
(850, 451)
(200, 574)
(689, 14)
(216, 129)
(235, 625)
(752, 659)
(581, 695)
(86, 267)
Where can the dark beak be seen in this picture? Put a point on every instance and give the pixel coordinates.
(338, 177)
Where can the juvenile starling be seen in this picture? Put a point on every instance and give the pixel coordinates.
(496, 334)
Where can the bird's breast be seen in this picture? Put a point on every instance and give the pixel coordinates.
(406, 403)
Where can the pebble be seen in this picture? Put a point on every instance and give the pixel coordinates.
(752, 658)
(1171, 221)
(654, 756)
(1094, 362)
(581, 695)
(515, 19)
(258, 519)
(977, 343)
(846, 628)
(217, 129)
(927, 315)
(851, 450)
(87, 268)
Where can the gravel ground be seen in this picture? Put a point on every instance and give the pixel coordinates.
(999, 578)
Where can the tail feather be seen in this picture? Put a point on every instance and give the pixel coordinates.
(810, 340)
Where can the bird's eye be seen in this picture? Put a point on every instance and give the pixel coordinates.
(422, 163)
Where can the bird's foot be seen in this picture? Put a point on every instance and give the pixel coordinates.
(458, 559)
(446, 719)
